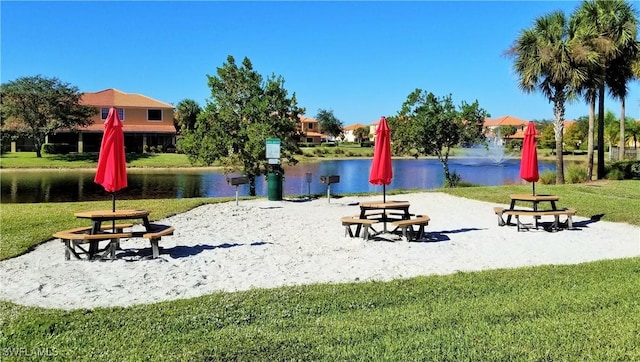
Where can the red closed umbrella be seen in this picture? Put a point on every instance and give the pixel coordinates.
(112, 163)
(381, 170)
(529, 161)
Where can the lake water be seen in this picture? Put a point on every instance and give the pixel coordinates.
(72, 185)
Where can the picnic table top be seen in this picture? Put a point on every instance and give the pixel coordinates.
(385, 205)
(530, 197)
(112, 214)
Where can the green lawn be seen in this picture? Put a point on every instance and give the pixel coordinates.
(587, 312)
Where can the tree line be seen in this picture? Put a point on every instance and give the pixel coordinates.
(582, 55)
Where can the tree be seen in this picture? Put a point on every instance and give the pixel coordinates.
(611, 27)
(329, 124)
(242, 112)
(576, 135)
(548, 136)
(187, 112)
(38, 106)
(361, 134)
(633, 129)
(552, 59)
(433, 125)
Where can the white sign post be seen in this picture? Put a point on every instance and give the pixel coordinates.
(273, 151)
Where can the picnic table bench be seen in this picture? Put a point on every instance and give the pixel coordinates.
(361, 225)
(74, 238)
(407, 227)
(555, 225)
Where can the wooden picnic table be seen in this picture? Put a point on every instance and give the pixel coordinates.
(535, 200)
(100, 216)
(401, 206)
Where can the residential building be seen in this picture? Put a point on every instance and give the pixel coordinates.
(311, 130)
(349, 132)
(146, 123)
(492, 128)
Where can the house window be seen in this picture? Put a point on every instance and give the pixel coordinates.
(310, 126)
(104, 113)
(154, 114)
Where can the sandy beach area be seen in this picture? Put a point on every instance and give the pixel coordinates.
(266, 244)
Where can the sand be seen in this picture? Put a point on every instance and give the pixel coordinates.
(268, 244)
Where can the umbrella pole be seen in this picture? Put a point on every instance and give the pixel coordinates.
(534, 188)
(113, 208)
(384, 193)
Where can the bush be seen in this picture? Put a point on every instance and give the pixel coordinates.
(55, 148)
(338, 151)
(615, 174)
(576, 174)
(320, 151)
(455, 180)
(548, 177)
(625, 169)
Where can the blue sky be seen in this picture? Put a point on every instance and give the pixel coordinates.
(359, 59)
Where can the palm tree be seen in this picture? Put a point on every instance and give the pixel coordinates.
(612, 27)
(187, 112)
(551, 58)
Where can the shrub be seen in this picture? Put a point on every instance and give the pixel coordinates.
(338, 151)
(55, 148)
(615, 174)
(548, 177)
(629, 169)
(576, 174)
(455, 180)
(320, 151)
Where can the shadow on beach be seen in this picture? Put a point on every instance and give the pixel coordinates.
(438, 236)
(178, 251)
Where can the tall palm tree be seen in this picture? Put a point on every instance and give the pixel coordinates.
(619, 75)
(550, 58)
(186, 114)
(613, 24)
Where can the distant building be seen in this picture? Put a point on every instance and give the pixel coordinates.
(146, 122)
(349, 132)
(491, 128)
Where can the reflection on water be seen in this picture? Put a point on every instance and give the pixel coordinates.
(73, 185)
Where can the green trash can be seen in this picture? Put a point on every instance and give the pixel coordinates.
(274, 186)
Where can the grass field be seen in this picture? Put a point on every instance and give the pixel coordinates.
(586, 312)
(579, 312)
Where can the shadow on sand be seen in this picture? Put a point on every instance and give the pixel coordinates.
(438, 236)
(179, 251)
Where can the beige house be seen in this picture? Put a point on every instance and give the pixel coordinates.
(491, 128)
(311, 129)
(349, 132)
(146, 123)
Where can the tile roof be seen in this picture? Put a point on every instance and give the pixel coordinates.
(504, 121)
(354, 127)
(307, 119)
(113, 97)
